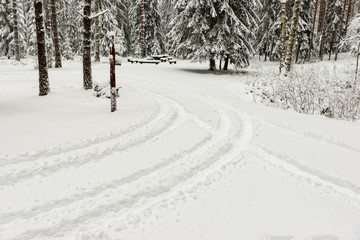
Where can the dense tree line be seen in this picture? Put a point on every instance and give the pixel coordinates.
(229, 31)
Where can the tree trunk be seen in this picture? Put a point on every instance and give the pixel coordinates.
(348, 16)
(292, 37)
(16, 32)
(128, 28)
(324, 27)
(282, 38)
(220, 64)
(97, 32)
(226, 63)
(142, 30)
(339, 37)
(112, 75)
(322, 14)
(54, 27)
(44, 87)
(48, 34)
(357, 64)
(87, 75)
(312, 31)
(212, 64)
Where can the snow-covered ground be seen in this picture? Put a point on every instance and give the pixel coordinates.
(188, 155)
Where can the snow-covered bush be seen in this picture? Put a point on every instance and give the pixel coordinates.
(310, 91)
(103, 90)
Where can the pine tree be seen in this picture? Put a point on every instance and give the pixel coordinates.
(16, 31)
(44, 87)
(5, 27)
(55, 32)
(283, 33)
(312, 30)
(149, 39)
(87, 74)
(97, 32)
(292, 37)
(49, 44)
(213, 29)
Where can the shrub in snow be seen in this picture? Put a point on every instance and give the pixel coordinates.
(103, 90)
(310, 91)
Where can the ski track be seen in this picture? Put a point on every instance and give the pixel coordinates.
(64, 148)
(115, 203)
(307, 175)
(330, 140)
(158, 127)
(143, 188)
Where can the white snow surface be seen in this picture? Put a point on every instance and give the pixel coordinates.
(187, 155)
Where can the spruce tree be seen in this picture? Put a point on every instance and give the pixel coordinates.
(55, 32)
(44, 87)
(87, 74)
(205, 30)
(16, 31)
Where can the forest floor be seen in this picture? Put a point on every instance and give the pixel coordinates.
(188, 155)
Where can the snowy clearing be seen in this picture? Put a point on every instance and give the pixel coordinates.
(188, 155)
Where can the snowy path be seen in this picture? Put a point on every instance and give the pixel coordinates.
(193, 160)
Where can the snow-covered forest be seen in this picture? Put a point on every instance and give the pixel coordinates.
(188, 119)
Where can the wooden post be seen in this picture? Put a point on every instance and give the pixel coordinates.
(112, 75)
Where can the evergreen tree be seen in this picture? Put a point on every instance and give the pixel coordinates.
(212, 29)
(44, 87)
(153, 35)
(55, 32)
(16, 31)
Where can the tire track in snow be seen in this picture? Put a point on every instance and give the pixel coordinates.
(160, 126)
(8, 216)
(350, 146)
(308, 175)
(72, 146)
(229, 141)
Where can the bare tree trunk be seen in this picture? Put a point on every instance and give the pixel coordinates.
(97, 32)
(324, 27)
(44, 87)
(226, 63)
(87, 75)
(142, 30)
(128, 28)
(16, 32)
(322, 14)
(312, 31)
(292, 37)
(212, 64)
(357, 64)
(283, 32)
(338, 39)
(55, 32)
(348, 16)
(48, 34)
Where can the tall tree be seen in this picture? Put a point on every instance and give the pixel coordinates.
(292, 36)
(49, 45)
(97, 32)
(44, 87)
(16, 31)
(205, 30)
(87, 74)
(312, 30)
(54, 27)
(283, 33)
(340, 30)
